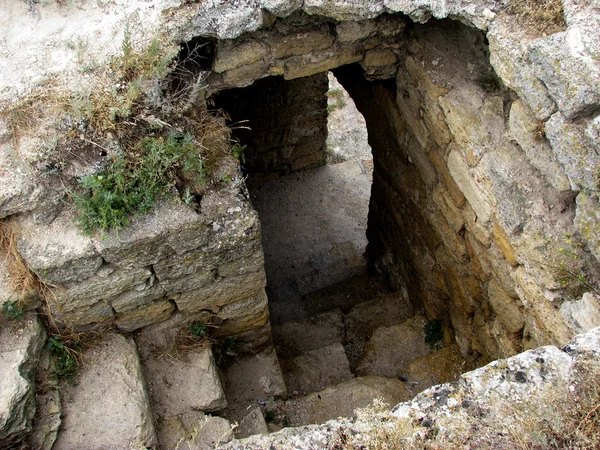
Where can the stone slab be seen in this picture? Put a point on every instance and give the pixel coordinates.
(316, 369)
(108, 408)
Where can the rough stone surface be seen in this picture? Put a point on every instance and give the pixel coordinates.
(20, 346)
(587, 220)
(253, 423)
(111, 380)
(316, 369)
(584, 314)
(193, 430)
(296, 337)
(570, 75)
(343, 399)
(391, 349)
(251, 378)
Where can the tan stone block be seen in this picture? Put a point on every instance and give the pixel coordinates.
(453, 215)
(378, 58)
(456, 195)
(146, 315)
(481, 232)
(504, 243)
(459, 171)
(484, 343)
(245, 75)
(303, 66)
(479, 264)
(508, 310)
(232, 54)
(508, 344)
(550, 325)
(220, 293)
(460, 296)
(300, 43)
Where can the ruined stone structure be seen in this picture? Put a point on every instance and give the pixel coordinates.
(484, 207)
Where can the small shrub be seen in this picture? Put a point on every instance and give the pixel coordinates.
(66, 355)
(12, 310)
(238, 152)
(434, 333)
(135, 181)
(197, 329)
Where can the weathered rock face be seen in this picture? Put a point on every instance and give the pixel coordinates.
(20, 347)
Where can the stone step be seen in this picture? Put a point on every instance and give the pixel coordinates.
(390, 350)
(108, 407)
(316, 369)
(341, 400)
(296, 337)
(343, 295)
(364, 318)
(442, 366)
(250, 381)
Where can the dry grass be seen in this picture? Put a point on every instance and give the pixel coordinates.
(543, 17)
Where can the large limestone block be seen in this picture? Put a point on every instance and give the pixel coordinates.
(108, 283)
(253, 377)
(108, 408)
(300, 43)
(391, 349)
(307, 65)
(221, 292)
(224, 20)
(574, 151)
(242, 316)
(587, 219)
(193, 430)
(570, 75)
(584, 314)
(281, 8)
(170, 228)
(253, 423)
(344, 9)
(20, 346)
(232, 54)
(527, 131)
(509, 55)
(178, 384)
(58, 253)
(343, 399)
(316, 369)
(148, 314)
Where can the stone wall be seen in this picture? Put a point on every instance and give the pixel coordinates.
(283, 123)
(207, 265)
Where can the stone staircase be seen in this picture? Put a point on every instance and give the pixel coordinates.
(369, 344)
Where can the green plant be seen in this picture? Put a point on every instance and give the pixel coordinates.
(12, 310)
(337, 97)
(238, 152)
(66, 355)
(197, 329)
(434, 333)
(270, 416)
(133, 183)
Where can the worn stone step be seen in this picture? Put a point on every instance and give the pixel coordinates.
(390, 350)
(343, 295)
(296, 337)
(193, 430)
(252, 380)
(341, 400)
(108, 407)
(382, 311)
(316, 369)
(439, 367)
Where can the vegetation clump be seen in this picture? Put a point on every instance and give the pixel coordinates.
(543, 17)
(65, 352)
(12, 310)
(132, 184)
(434, 333)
